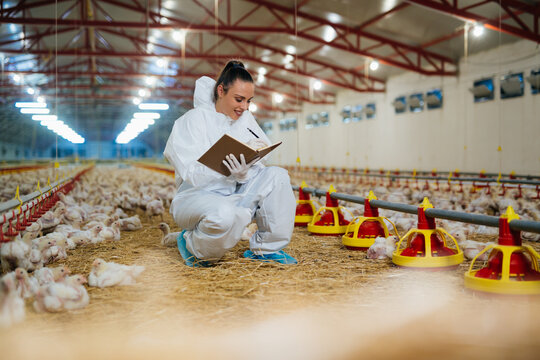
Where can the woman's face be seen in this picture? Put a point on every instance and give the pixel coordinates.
(236, 100)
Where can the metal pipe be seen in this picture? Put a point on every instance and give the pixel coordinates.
(445, 179)
(418, 172)
(477, 219)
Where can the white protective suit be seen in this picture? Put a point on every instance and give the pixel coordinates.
(215, 209)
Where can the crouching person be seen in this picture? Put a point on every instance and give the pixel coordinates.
(214, 209)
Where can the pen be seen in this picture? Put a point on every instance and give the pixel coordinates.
(251, 131)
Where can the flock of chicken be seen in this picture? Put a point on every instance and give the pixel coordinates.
(93, 212)
(457, 198)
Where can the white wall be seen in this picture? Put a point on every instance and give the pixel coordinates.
(462, 135)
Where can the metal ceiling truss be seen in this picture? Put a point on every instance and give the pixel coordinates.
(518, 12)
(273, 83)
(89, 77)
(349, 39)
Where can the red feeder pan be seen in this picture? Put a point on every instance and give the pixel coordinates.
(427, 245)
(363, 230)
(329, 220)
(512, 268)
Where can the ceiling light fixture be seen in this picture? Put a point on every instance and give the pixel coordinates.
(478, 30)
(161, 62)
(149, 80)
(153, 106)
(44, 117)
(34, 111)
(30, 105)
(146, 115)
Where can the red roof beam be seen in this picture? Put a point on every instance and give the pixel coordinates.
(302, 57)
(492, 24)
(78, 52)
(23, 5)
(348, 29)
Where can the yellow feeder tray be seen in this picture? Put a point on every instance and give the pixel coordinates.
(506, 283)
(303, 220)
(427, 245)
(508, 270)
(430, 258)
(328, 220)
(363, 230)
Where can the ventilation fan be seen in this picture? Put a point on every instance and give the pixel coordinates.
(399, 104)
(369, 111)
(481, 91)
(415, 101)
(512, 86)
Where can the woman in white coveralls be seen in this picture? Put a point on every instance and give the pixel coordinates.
(214, 209)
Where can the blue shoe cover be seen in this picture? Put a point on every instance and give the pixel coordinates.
(281, 257)
(189, 259)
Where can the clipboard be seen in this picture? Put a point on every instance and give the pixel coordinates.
(213, 157)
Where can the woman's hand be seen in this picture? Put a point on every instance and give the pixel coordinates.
(238, 169)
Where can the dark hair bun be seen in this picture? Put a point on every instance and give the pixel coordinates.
(234, 70)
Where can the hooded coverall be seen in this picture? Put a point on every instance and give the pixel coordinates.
(214, 209)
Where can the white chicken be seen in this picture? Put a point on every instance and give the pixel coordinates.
(472, 248)
(51, 219)
(110, 233)
(105, 274)
(27, 286)
(18, 279)
(131, 223)
(120, 213)
(83, 237)
(405, 223)
(530, 236)
(249, 231)
(47, 248)
(382, 248)
(103, 220)
(66, 199)
(68, 229)
(61, 241)
(48, 275)
(73, 215)
(169, 238)
(12, 308)
(65, 295)
(32, 231)
(155, 207)
(14, 254)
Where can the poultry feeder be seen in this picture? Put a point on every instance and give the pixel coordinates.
(512, 268)
(432, 254)
(304, 208)
(362, 230)
(329, 220)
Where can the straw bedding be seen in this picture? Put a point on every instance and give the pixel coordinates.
(331, 291)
